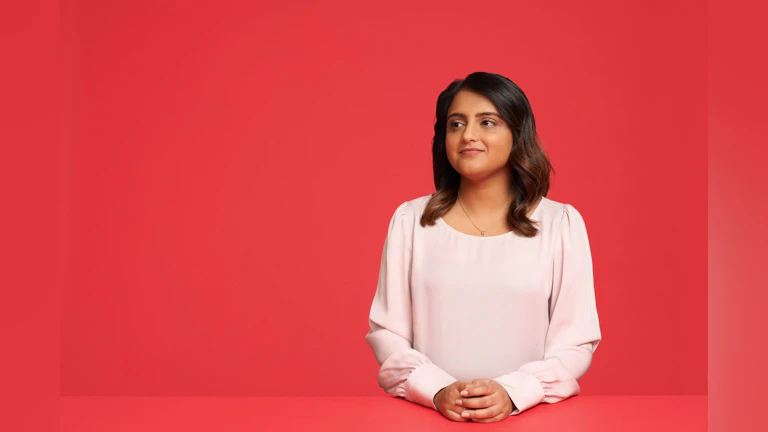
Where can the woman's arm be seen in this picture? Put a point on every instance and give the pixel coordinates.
(574, 329)
(403, 371)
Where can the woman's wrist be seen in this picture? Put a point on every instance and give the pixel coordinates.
(434, 399)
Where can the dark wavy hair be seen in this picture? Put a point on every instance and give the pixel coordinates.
(528, 162)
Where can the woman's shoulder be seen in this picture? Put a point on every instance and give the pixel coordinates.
(408, 213)
(414, 206)
(549, 209)
(560, 214)
(555, 208)
(417, 204)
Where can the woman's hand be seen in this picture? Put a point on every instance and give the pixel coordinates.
(445, 401)
(485, 400)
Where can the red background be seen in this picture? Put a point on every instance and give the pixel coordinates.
(231, 169)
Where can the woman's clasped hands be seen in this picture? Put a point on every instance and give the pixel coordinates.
(481, 400)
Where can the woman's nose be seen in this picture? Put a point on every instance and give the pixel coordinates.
(469, 133)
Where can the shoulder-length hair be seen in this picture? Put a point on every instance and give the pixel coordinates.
(528, 163)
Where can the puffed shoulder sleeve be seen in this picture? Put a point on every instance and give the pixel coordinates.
(403, 371)
(574, 330)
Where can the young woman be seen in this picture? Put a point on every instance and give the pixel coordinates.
(485, 303)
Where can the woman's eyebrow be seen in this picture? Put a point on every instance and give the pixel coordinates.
(462, 115)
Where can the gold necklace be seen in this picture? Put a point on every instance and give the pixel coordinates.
(482, 233)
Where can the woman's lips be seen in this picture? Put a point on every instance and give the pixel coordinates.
(471, 151)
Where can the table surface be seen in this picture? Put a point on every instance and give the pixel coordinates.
(371, 413)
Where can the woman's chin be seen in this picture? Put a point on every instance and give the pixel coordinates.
(474, 175)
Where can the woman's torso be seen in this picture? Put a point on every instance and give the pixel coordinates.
(481, 304)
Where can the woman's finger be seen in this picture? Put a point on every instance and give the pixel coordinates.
(477, 390)
(476, 402)
(499, 417)
(453, 415)
(482, 413)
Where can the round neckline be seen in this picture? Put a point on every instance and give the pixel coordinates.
(506, 234)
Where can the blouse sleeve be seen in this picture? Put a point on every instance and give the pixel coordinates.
(574, 330)
(403, 371)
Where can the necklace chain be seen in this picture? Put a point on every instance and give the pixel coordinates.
(482, 233)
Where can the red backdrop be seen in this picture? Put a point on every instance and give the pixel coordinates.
(233, 167)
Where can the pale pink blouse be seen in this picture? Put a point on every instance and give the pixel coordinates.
(452, 306)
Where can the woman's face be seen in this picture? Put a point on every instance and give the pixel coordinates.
(475, 123)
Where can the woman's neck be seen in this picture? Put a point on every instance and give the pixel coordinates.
(488, 196)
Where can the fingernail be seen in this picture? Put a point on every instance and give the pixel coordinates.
(464, 392)
(458, 401)
(465, 414)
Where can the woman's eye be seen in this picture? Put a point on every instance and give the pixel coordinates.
(455, 123)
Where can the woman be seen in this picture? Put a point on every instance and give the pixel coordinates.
(485, 304)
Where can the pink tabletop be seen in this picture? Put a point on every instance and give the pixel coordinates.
(378, 413)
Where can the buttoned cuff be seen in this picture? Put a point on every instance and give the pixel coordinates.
(523, 388)
(424, 383)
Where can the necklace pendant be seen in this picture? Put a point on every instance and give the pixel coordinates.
(482, 233)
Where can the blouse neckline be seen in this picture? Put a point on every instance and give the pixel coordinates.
(533, 216)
